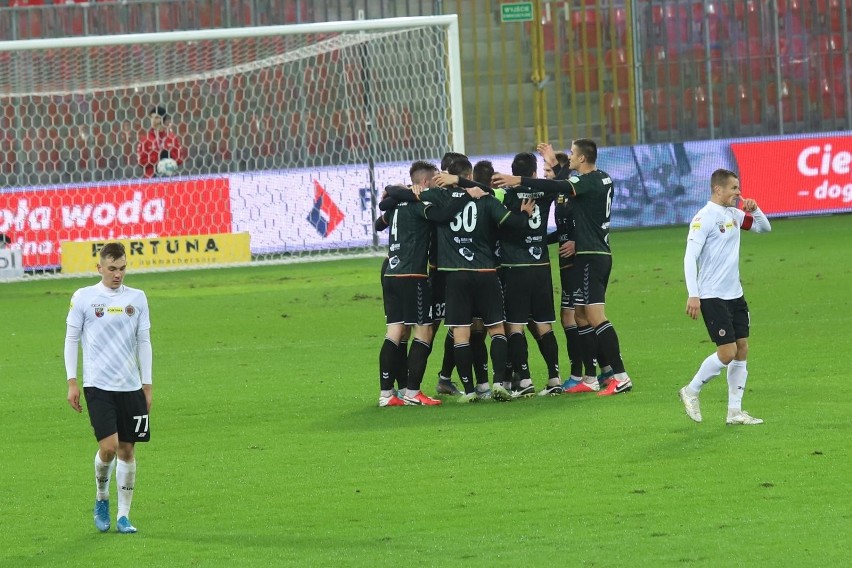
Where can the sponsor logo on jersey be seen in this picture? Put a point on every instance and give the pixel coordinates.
(535, 252)
(721, 333)
(393, 261)
(466, 253)
(115, 310)
(99, 312)
(129, 310)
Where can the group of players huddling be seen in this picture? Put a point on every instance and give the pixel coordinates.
(470, 247)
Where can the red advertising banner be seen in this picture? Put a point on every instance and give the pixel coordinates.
(38, 219)
(802, 175)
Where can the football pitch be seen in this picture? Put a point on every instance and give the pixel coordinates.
(267, 447)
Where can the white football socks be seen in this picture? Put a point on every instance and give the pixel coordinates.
(103, 474)
(125, 478)
(737, 375)
(710, 368)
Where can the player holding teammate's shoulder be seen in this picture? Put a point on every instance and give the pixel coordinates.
(712, 269)
(113, 322)
(591, 192)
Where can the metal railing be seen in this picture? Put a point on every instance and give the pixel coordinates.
(621, 71)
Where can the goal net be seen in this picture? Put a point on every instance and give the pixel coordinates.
(280, 132)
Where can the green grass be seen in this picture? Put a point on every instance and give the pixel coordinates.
(268, 448)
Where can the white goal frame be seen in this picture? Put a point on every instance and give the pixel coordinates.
(19, 201)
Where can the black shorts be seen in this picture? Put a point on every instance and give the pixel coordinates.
(438, 280)
(589, 279)
(567, 301)
(125, 413)
(726, 320)
(473, 294)
(408, 300)
(528, 294)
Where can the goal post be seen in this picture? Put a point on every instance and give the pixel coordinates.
(282, 132)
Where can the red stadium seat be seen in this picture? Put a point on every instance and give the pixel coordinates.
(827, 54)
(797, 15)
(714, 16)
(584, 26)
(617, 109)
(670, 25)
(619, 19)
(829, 15)
(747, 18)
(828, 96)
(794, 57)
(744, 103)
(696, 58)
(616, 64)
(581, 67)
(29, 21)
(790, 97)
(659, 108)
(697, 107)
(664, 69)
(751, 59)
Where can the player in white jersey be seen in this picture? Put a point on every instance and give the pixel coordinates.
(114, 324)
(712, 269)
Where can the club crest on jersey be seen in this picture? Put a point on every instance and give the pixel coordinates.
(99, 312)
(721, 333)
(130, 310)
(721, 226)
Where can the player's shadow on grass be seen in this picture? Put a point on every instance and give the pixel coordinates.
(451, 415)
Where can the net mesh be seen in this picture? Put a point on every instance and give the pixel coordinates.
(279, 109)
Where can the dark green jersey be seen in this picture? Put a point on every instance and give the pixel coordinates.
(592, 204)
(408, 244)
(564, 217)
(527, 246)
(467, 242)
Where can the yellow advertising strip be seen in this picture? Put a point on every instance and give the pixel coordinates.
(161, 252)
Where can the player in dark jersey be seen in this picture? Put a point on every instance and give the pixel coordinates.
(407, 294)
(445, 384)
(421, 173)
(590, 191)
(556, 167)
(465, 252)
(528, 289)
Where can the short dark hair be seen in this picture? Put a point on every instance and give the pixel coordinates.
(420, 168)
(524, 164)
(112, 250)
(721, 176)
(562, 158)
(449, 158)
(588, 149)
(159, 110)
(483, 171)
(460, 167)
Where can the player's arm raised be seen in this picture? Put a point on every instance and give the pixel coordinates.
(755, 220)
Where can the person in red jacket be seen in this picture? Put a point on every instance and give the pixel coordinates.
(158, 143)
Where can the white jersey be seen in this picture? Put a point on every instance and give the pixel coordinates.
(714, 236)
(110, 321)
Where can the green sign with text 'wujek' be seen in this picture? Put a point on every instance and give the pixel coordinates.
(516, 12)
